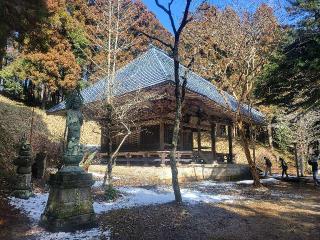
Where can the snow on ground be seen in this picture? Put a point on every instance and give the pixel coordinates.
(92, 234)
(97, 175)
(264, 181)
(209, 183)
(135, 196)
(34, 207)
(132, 197)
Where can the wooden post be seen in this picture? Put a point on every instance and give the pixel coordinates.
(163, 157)
(139, 138)
(199, 136)
(161, 136)
(213, 140)
(230, 158)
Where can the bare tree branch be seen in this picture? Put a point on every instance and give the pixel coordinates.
(169, 13)
(157, 39)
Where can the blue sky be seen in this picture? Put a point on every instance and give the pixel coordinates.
(178, 6)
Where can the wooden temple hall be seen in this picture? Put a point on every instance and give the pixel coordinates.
(207, 112)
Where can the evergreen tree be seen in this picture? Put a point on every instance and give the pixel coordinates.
(292, 79)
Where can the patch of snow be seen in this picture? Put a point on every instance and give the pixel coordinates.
(193, 197)
(97, 184)
(135, 196)
(280, 175)
(97, 175)
(270, 181)
(264, 181)
(245, 182)
(32, 207)
(94, 233)
(217, 184)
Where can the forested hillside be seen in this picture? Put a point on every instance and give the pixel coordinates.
(48, 131)
(62, 45)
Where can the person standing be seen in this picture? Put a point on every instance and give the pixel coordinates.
(284, 167)
(268, 166)
(314, 164)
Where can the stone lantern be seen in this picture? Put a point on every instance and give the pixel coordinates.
(23, 162)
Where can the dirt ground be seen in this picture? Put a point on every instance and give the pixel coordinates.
(285, 211)
(281, 211)
(13, 224)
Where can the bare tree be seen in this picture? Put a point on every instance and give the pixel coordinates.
(119, 122)
(116, 116)
(180, 82)
(306, 130)
(236, 47)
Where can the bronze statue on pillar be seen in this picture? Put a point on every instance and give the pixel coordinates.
(69, 206)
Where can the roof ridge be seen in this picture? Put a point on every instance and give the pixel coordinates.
(135, 60)
(160, 62)
(191, 72)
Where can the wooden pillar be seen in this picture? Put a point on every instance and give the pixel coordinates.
(199, 135)
(163, 158)
(213, 140)
(161, 140)
(230, 158)
(139, 129)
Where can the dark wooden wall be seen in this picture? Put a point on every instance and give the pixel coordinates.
(148, 139)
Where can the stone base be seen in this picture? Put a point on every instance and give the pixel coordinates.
(69, 206)
(24, 194)
(22, 186)
(187, 172)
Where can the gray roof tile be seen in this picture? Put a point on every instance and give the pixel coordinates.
(155, 67)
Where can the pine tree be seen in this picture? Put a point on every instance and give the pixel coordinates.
(292, 79)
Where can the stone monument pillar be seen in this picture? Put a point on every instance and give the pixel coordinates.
(39, 165)
(69, 206)
(23, 162)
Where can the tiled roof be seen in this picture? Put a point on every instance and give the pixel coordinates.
(155, 67)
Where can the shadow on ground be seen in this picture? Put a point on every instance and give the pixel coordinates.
(295, 215)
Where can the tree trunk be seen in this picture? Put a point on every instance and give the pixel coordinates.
(296, 159)
(44, 98)
(254, 136)
(176, 127)
(173, 161)
(301, 164)
(270, 139)
(245, 146)
(107, 180)
(110, 162)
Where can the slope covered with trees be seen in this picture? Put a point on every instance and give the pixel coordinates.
(291, 81)
(59, 50)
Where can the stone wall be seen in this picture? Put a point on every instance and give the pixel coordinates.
(192, 172)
